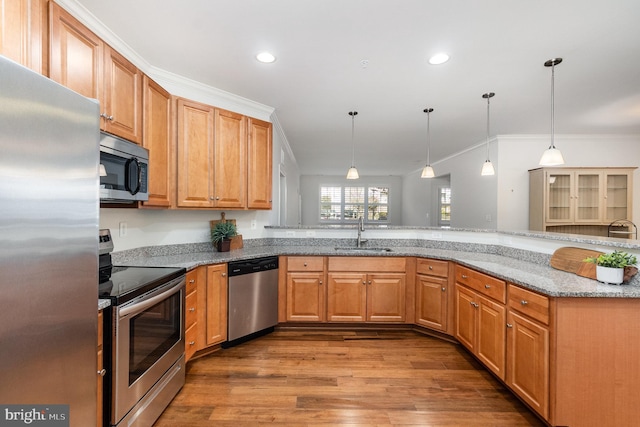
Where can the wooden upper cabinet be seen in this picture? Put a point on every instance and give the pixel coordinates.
(75, 58)
(230, 159)
(260, 165)
(194, 154)
(121, 101)
(23, 33)
(81, 61)
(158, 139)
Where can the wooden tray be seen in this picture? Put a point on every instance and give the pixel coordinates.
(572, 260)
(236, 242)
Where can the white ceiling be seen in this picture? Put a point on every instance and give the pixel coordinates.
(495, 45)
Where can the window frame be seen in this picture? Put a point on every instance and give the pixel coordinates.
(365, 204)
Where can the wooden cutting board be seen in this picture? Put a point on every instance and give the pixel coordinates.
(572, 260)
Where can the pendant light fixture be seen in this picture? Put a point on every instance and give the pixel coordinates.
(487, 167)
(552, 156)
(427, 171)
(352, 173)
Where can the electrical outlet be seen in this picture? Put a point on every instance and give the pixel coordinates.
(254, 224)
(436, 235)
(311, 233)
(123, 229)
(487, 217)
(290, 234)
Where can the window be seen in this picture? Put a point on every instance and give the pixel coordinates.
(346, 204)
(444, 206)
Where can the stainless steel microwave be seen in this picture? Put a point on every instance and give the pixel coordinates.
(124, 170)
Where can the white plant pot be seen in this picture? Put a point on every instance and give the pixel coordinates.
(610, 275)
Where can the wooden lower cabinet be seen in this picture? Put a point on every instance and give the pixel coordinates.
(191, 312)
(480, 326)
(354, 297)
(305, 297)
(101, 370)
(528, 361)
(215, 310)
(432, 296)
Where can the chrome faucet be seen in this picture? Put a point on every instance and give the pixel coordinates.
(360, 230)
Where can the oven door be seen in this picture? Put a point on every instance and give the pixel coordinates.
(148, 339)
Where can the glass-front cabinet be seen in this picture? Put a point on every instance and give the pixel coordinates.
(579, 200)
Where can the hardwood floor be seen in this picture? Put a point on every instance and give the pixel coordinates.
(331, 378)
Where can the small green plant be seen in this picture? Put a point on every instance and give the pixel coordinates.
(615, 259)
(222, 231)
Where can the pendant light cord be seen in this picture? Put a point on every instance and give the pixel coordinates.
(353, 144)
(553, 126)
(488, 110)
(428, 111)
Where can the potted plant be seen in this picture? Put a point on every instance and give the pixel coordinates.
(221, 235)
(610, 268)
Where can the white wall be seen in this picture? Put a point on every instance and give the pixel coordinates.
(473, 197)
(310, 194)
(519, 153)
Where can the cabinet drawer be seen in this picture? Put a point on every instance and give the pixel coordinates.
(192, 281)
(529, 303)
(191, 341)
(191, 311)
(484, 284)
(299, 263)
(432, 267)
(100, 328)
(364, 264)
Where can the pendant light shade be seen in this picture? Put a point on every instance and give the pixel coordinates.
(552, 156)
(487, 167)
(427, 171)
(352, 173)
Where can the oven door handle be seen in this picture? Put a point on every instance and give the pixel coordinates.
(145, 304)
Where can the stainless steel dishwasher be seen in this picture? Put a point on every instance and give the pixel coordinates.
(253, 298)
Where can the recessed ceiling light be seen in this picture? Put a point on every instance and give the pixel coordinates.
(265, 57)
(438, 58)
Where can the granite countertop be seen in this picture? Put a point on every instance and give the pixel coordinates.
(531, 275)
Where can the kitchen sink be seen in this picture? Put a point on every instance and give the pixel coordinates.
(354, 249)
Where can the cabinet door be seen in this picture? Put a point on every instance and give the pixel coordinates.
(466, 328)
(194, 154)
(528, 362)
(618, 195)
(431, 302)
(346, 297)
(75, 57)
(305, 297)
(260, 165)
(157, 138)
(559, 196)
(101, 371)
(386, 295)
(588, 197)
(491, 338)
(216, 312)
(230, 160)
(122, 99)
(22, 32)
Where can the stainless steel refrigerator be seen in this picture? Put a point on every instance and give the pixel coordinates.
(49, 211)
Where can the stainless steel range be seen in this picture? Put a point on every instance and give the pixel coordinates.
(144, 341)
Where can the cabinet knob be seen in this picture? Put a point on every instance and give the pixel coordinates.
(212, 198)
(364, 282)
(192, 343)
(305, 264)
(192, 281)
(320, 282)
(217, 197)
(224, 274)
(524, 302)
(192, 309)
(430, 267)
(509, 325)
(106, 117)
(369, 281)
(464, 276)
(486, 286)
(444, 289)
(102, 372)
(475, 304)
